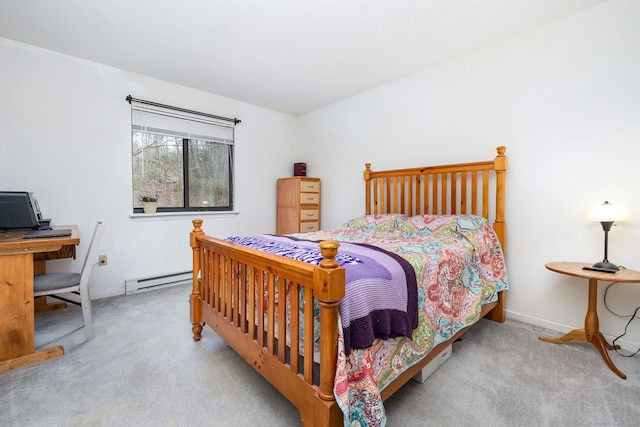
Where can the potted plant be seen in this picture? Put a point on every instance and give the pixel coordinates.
(149, 204)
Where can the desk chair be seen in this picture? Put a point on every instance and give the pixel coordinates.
(77, 283)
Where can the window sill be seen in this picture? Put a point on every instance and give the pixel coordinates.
(180, 215)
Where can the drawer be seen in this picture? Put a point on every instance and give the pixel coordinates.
(310, 186)
(309, 198)
(309, 214)
(306, 227)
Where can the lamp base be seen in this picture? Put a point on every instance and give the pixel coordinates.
(604, 266)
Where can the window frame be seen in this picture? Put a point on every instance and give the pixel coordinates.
(181, 117)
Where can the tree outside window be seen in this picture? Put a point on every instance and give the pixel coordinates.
(182, 169)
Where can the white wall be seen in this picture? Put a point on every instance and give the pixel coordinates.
(565, 100)
(66, 136)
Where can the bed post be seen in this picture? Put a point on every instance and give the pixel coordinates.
(194, 300)
(329, 290)
(367, 188)
(500, 166)
(500, 226)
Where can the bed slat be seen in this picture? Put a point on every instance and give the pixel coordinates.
(282, 325)
(260, 298)
(308, 341)
(294, 297)
(251, 301)
(271, 313)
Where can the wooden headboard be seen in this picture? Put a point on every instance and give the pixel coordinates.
(465, 188)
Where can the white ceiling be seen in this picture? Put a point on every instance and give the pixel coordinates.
(288, 55)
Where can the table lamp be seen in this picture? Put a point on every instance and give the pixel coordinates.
(607, 213)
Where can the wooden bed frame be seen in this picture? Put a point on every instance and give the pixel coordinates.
(222, 296)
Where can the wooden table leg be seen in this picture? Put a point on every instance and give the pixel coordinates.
(591, 332)
(601, 344)
(575, 335)
(41, 305)
(35, 357)
(16, 315)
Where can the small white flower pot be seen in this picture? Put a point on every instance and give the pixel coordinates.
(150, 207)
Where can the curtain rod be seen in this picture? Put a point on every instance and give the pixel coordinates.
(155, 104)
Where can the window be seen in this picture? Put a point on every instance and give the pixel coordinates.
(182, 158)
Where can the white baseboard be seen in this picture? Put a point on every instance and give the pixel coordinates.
(561, 328)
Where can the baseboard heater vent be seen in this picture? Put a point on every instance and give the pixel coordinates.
(144, 284)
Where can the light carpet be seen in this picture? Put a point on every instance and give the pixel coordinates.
(144, 369)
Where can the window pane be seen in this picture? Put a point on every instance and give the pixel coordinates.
(157, 169)
(209, 164)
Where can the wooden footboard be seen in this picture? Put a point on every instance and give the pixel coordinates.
(232, 286)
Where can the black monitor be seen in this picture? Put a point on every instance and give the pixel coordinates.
(18, 210)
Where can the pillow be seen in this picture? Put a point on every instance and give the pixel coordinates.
(425, 222)
(431, 223)
(379, 223)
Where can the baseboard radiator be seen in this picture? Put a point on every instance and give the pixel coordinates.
(144, 284)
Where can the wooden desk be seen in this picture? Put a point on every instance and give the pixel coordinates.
(591, 332)
(20, 259)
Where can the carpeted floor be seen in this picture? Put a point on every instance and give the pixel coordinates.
(144, 369)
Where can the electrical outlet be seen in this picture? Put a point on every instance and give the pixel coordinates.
(102, 259)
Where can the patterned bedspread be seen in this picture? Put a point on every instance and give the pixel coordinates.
(459, 266)
(381, 299)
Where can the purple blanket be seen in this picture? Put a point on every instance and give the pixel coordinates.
(381, 298)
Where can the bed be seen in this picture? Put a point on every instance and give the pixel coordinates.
(284, 314)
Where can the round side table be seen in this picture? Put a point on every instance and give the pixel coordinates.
(591, 332)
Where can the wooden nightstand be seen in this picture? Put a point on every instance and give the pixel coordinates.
(591, 332)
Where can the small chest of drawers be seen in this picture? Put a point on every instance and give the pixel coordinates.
(298, 205)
